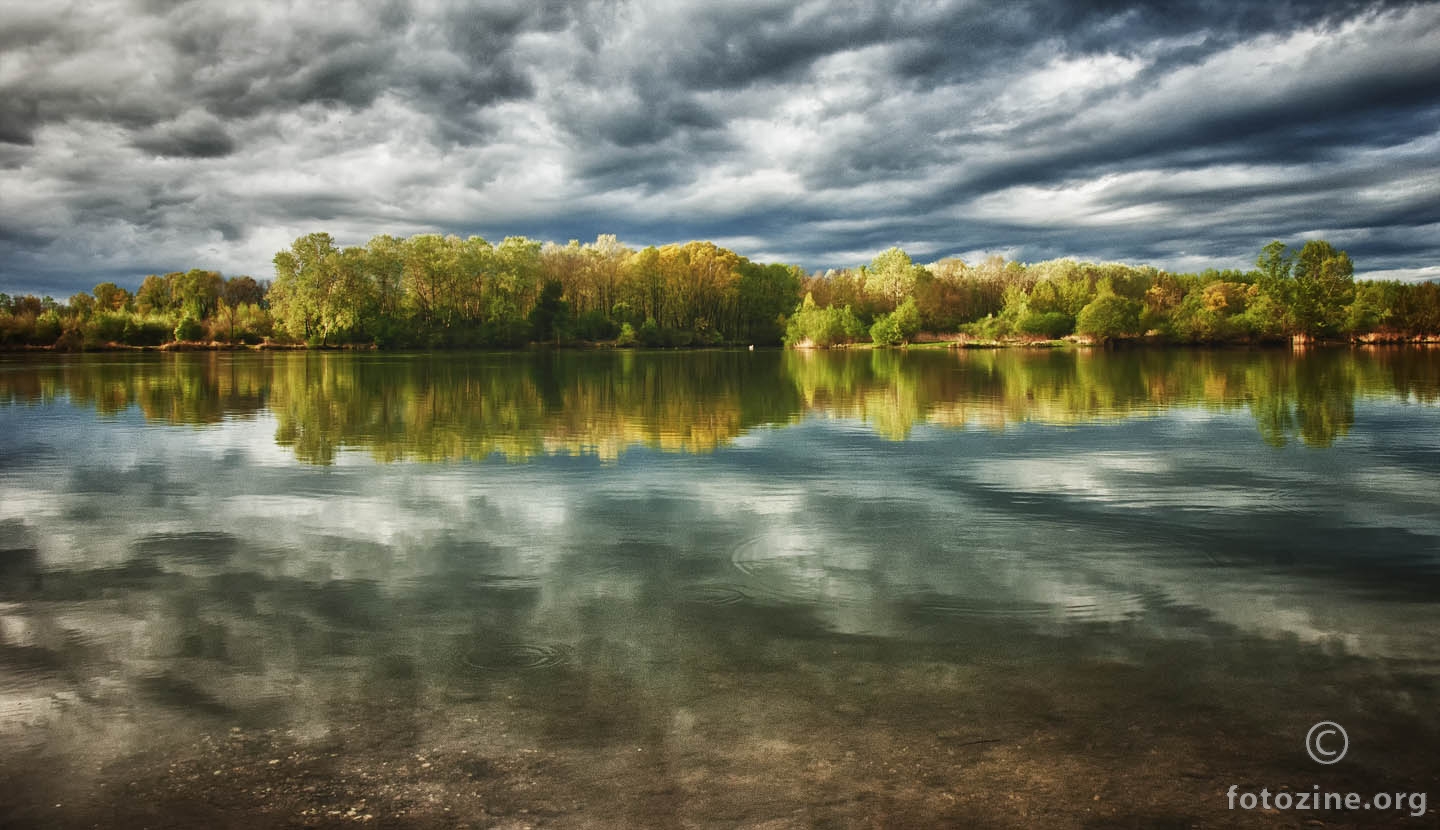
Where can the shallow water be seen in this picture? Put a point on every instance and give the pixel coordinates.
(715, 589)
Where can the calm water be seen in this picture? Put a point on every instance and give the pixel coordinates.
(754, 589)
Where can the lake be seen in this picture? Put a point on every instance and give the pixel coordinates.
(717, 589)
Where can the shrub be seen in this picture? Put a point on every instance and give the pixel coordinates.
(594, 325)
(885, 332)
(627, 336)
(107, 327)
(1109, 316)
(188, 330)
(1051, 324)
(649, 334)
(823, 327)
(146, 330)
(47, 329)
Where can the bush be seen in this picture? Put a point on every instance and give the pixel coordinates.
(885, 332)
(907, 319)
(16, 328)
(107, 327)
(626, 338)
(188, 330)
(594, 325)
(677, 338)
(989, 327)
(898, 327)
(1109, 316)
(823, 327)
(649, 334)
(147, 330)
(47, 329)
(1051, 324)
(70, 341)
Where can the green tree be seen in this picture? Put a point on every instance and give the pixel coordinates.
(195, 292)
(891, 275)
(308, 281)
(766, 294)
(1324, 286)
(111, 297)
(188, 330)
(897, 327)
(153, 295)
(823, 327)
(81, 305)
(551, 314)
(1274, 265)
(1109, 316)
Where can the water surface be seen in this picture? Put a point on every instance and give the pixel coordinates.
(714, 589)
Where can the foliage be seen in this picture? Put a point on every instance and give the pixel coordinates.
(900, 326)
(548, 318)
(626, 337)
(823, 327)
(1109, 316)
(188, 330)
(891, 275)
(1324, 286)
(433, 291)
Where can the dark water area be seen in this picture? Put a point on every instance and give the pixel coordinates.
(718, 589)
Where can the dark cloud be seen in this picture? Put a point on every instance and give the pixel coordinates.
(199, 141)
(141, 135)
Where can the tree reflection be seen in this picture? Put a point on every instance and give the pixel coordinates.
(447, 407)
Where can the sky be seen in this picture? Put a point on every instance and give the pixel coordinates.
(144, 136)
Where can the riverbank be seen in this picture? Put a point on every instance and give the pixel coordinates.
(930, 342)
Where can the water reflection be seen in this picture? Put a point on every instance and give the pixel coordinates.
(449, 407)
(718, 591)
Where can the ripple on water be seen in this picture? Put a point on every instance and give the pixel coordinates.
(518, 656)
(713, 595)
(792, 569)
(1112, 606)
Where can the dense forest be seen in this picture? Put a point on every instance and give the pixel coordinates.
(432, 291)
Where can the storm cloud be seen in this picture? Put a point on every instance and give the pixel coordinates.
(142, 136)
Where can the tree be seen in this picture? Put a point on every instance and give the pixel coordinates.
(892, 275)
(1109, 316)
(897, 327)
(1324, 286)
(551, 314)
(81, 305)
(815, 326)
(766, 294)
(195, 292)
(188, 330)
(111, 297)
(306, 279)
(884, 332)
(153, 295)
(1274, 269)
(239, 291)
(1274, 264)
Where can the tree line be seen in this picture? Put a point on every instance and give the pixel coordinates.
(433, 291)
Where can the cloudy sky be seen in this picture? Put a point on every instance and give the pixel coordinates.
(142, 136)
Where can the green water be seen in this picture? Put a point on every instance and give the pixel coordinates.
(719, 589)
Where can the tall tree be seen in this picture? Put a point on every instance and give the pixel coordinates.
(891, 275)
(1324, 287)
(306, 277)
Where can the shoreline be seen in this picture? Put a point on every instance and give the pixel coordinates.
(923, 345)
